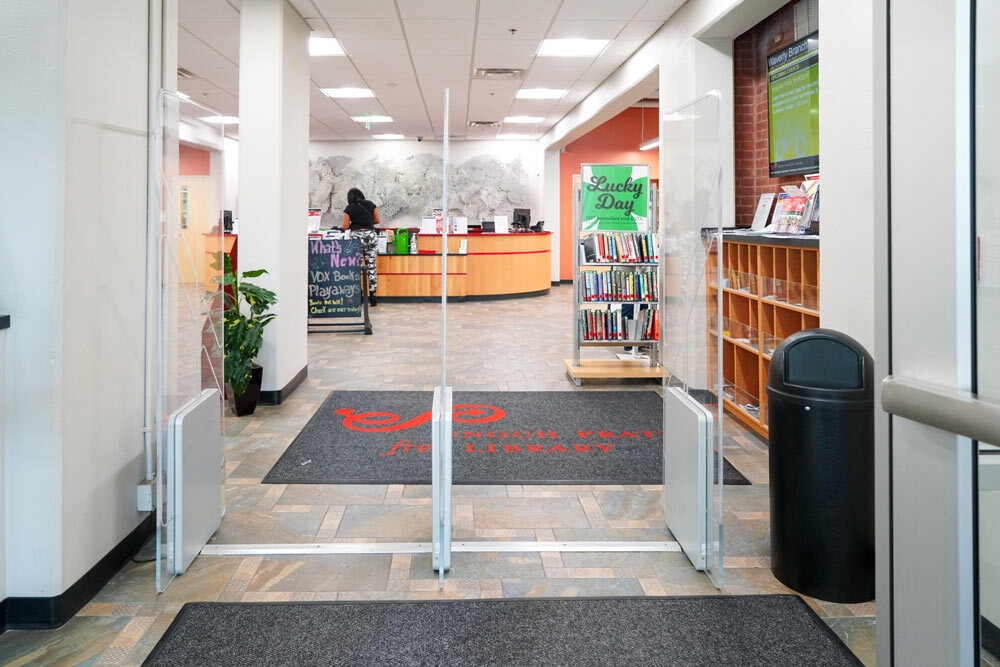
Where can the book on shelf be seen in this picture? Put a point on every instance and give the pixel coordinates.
(611, 324)
(618, 285)
(620, 248)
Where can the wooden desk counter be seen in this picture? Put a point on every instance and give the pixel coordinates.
(495, 265)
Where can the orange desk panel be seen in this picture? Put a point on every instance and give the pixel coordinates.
(419, 275)
(500, 264)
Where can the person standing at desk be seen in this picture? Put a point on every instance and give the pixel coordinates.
(361, 216)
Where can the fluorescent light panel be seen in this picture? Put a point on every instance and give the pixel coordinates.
(650, 145)
(388, 136)
(325, 46)
(372, 119)
(527, 120)
(572, 48)
(540, 94)
(348, 93)
(220, 120)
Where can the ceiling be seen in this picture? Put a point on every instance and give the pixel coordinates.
(409, 51)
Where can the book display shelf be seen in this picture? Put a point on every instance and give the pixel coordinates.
(616, 301)
(770, 290)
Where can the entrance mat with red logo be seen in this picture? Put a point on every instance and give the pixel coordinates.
(771, 630)
(525, 437)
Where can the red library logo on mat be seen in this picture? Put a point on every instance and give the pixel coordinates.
(385, 422)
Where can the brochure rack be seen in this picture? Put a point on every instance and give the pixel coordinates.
(630, 275)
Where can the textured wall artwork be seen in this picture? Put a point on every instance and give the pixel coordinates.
(479, 187)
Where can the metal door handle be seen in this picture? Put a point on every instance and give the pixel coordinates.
(944, 408)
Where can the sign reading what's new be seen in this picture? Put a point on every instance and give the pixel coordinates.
(615, 197)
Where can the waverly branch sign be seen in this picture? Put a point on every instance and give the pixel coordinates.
(615, 197)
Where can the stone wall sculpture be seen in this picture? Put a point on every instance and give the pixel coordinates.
(480, 187)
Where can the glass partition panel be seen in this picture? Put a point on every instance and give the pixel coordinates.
(987, 220)
(185, 234)
(693, 284)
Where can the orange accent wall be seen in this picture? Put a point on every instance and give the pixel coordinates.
(194, 161)
(615, 142)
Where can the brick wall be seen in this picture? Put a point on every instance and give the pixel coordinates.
(750, 109)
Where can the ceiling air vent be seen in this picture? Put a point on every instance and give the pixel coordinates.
(484, 123)
(498, 73)
(185, 73)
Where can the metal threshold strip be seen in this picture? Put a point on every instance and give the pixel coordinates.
(324, 548)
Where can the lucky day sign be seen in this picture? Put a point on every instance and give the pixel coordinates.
(615, 197)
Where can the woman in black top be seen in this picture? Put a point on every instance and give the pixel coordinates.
(361, 216)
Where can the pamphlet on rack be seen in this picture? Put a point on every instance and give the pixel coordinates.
(460, 225)
(428, 225)
(763, 211)
(500, 225)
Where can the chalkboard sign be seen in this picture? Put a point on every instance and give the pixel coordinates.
(336, 270)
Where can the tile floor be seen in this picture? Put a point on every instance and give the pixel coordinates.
(515, 345)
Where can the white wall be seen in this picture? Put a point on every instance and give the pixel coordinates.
(74, 165)
(851, 206)
(274, 174)
(231, 178)
(3, 540)
(530, 153)
(550, 206)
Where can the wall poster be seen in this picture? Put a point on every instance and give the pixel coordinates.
(615, 197)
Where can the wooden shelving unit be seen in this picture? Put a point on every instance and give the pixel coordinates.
(769, 292)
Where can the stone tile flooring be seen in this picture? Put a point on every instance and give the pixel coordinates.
(515, 345)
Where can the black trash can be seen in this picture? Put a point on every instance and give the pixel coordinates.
(822, 483)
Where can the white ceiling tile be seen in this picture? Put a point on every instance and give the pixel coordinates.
(659, 10)
(319, 28)
(374, 47)
(622, 48)
(305, 8)
(599, 10)
(366, 28)
(441, 47)
(556, 72)
(437, 9)
(452, 70)
(575, 28)
(505, 53)
(500, 29)
(640, 30)
(512, 11)
(206, 9)
(335, 73)
(318, 131)
(222, 35)
(437, 29)
(357, 9)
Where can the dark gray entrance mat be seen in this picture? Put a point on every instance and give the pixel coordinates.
(750, 631)
(502, 437)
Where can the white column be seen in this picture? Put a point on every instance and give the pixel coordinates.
(550, 205)
(274, 175)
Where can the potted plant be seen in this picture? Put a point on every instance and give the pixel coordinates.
(245, 317)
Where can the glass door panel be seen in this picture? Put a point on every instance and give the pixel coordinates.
(690, 273)
(987, 221)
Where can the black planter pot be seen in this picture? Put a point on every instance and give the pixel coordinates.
(246, 403)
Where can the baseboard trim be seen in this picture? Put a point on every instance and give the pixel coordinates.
(461, 299)
(24, 613)
(277, 397)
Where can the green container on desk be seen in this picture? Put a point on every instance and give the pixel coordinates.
(402, 242)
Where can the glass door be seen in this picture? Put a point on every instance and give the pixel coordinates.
(944, 307)
(986, 92)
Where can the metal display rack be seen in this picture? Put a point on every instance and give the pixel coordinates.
(578, 369)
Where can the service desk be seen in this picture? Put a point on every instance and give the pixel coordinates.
(494, 265)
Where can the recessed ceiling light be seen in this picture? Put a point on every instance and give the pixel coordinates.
(540, 93)
(514, 137)
(221, 120)
(325, 46)
(523, 119)
(372, 119)
(650, 145)
(348, 92)
(388, 136)
(572, 48)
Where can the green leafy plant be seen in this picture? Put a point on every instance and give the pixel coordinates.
(244, 326)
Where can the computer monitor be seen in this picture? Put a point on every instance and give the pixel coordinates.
(522, 218)
(488, 227)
